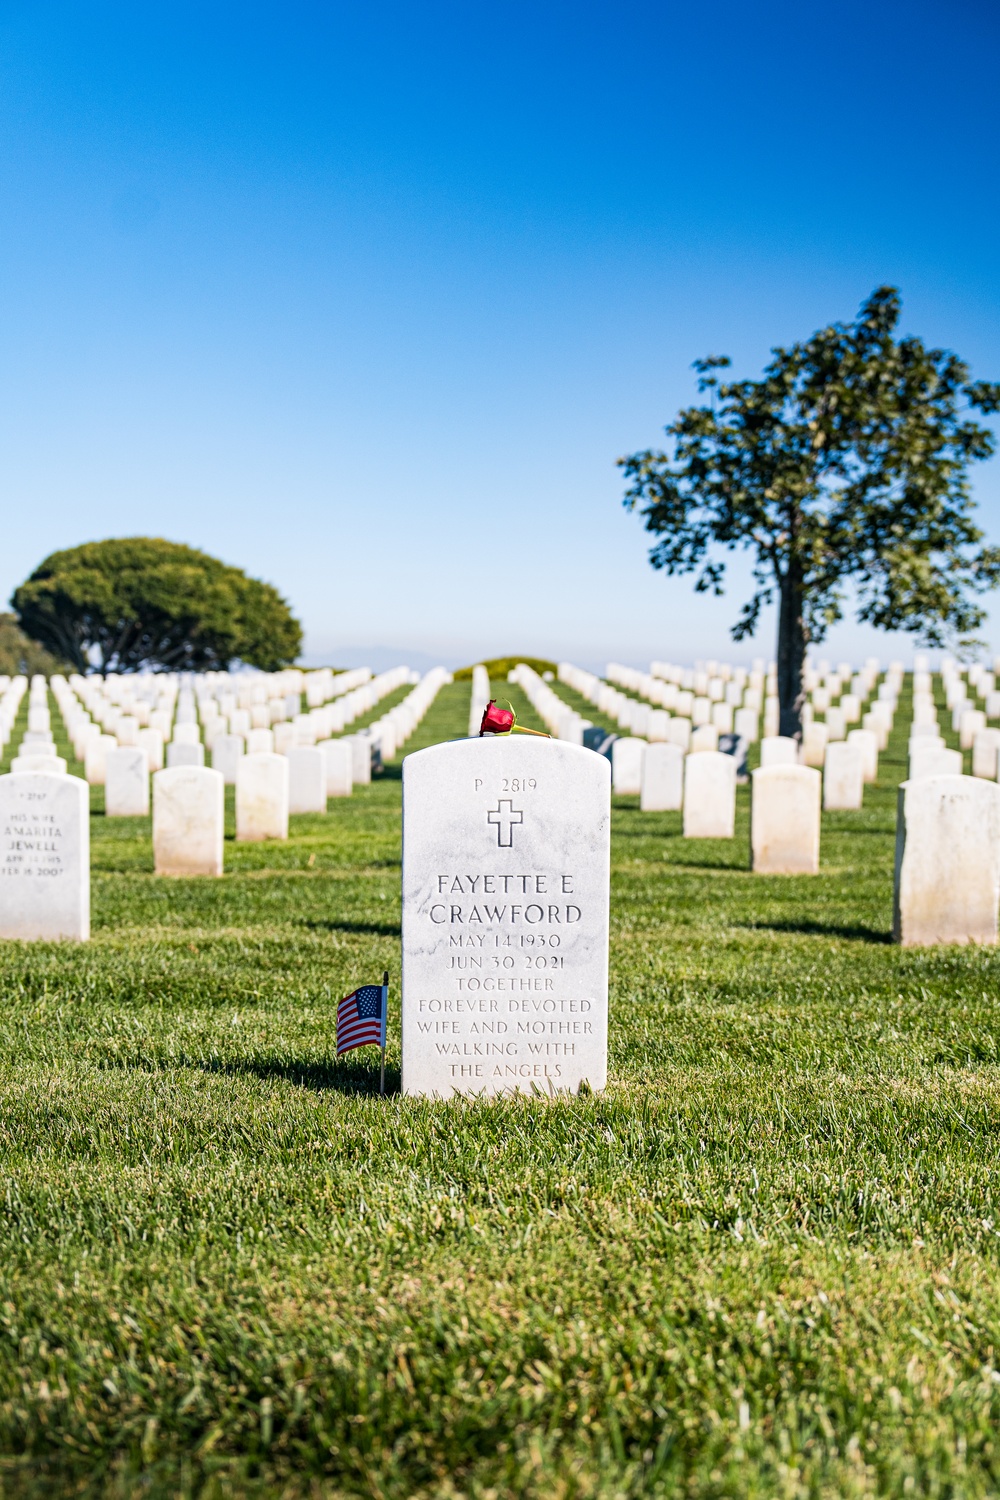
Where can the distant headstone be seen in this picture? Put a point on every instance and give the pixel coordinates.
(306, 779)
(126, 783)
(260, 742)
(785, 820)
(151, 740)
(662, 779)
(985, 746)
(44, 857)
(337, 753)
(947, 885)
(261, 797)
(188, 821)
(181, 753)
(778, 750)
(704, 737)
(709, 795)
(96, 757)
(843, 777)
(933, 761)
(51, 765)
(361, 762)
(227, 751)
(506, 860)
(867, 742)
(626, 765)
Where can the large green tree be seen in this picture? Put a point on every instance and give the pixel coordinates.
(144, 602)
(845, 465)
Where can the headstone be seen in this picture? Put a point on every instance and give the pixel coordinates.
(188, 821)
(985, 746)
(704, 738)
(306, 779)
(48, 765)
(785, 820)
(185, 734)
(626, 765)
(126, 783)
(679, 732)
(843, 777)
(926, 761)
(44, 858)
(662, 779)
(746, 722)
(361, 759)
(261, 797)
(867, 742)
(181, 753)
(778, 750)
(151, 740)
(96, 756)
(227, 751)
(814, 737)
(339, 782)
(506, 864)
(260, 742)
(709, 795)
(947, 885)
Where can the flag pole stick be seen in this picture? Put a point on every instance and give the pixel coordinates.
(385, 1027)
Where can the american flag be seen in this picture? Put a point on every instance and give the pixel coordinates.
(361, 1018)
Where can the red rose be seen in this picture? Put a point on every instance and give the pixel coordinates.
(496, 720)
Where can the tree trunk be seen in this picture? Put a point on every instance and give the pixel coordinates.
(791, 656)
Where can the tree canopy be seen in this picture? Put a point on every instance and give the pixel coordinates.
(845, 464)
(144, 602)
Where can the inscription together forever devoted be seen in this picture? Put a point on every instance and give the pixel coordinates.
(505, 917)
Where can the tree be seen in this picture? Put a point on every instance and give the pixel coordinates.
(19, 656)
(145, 602)
(845, 463)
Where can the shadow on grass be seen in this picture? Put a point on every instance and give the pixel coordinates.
(373, 929)
(853, 931)
(340, 1078)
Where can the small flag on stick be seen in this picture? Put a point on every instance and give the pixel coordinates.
(361, 1018)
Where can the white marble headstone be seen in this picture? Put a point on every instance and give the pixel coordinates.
(947, 885)
(126, 783)
(506, 867)
(188, 821)
(261, 797)
(45, 854)
(662, 779)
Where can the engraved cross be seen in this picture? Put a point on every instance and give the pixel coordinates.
(504, 817)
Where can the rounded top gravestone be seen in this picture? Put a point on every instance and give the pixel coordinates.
(506, 869)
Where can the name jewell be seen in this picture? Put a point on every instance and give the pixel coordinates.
(494, 914)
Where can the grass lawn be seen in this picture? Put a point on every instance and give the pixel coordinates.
(765, 1262)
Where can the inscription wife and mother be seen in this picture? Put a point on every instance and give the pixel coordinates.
(506, 867)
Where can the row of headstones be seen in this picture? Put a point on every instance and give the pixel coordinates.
(194, 703)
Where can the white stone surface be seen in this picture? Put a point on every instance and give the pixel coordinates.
(339, 761)
(785, 819)
(662, 779)
(306, 779)
(188, 821)
(985, 748)
(867, 742)
(779, 750)
(185, 734)
(97, 752)
(679, 732)
(261, 797)
(814, 741)
(709, 795)
(183, 753)
(843, 777)
(361, 759)
(931, 760)
(705, 737)
(947, 885)
(126, 783)
(28, 765)
(260, 742)
(44, 857)
(227, 751)
(506, 861)
(151, 740)
(626, 765)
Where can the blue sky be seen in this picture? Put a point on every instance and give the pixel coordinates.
(367, 300)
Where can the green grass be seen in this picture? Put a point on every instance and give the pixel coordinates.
(765, 1262)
